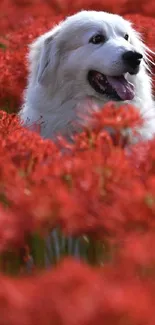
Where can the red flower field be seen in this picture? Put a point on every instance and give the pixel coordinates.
(97, 194)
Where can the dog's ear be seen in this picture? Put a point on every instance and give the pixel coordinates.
(48, 59)
(43, 57)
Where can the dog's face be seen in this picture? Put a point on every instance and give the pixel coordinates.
(92, 54)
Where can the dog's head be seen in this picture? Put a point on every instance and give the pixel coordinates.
(90, 54)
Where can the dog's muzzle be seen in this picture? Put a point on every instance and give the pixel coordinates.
(117, 87)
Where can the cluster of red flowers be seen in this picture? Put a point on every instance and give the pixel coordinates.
(76, 294)
(55, 187)
(100, 190)
(43, 187)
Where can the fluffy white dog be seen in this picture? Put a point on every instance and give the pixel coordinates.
(88, 59)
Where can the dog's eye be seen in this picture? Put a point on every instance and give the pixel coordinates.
(126, 36)
(97, 39)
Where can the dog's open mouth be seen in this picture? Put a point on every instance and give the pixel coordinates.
(116, 88)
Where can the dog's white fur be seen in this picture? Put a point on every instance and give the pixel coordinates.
(59, 62)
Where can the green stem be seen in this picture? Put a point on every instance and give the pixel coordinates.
(10, 263)
(97, 252)
(38, 247)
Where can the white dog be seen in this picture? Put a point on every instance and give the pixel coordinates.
(88, 59)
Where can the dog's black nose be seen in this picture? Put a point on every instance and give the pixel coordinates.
(132, 59)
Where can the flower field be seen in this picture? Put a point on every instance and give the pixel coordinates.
(96, 195)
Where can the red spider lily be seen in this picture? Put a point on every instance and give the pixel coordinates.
(58, 188)
(100, 295)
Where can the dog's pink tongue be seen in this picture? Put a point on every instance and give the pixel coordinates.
(124, 89)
